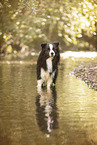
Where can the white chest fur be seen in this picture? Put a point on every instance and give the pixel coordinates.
(49, 64)
(45, 76)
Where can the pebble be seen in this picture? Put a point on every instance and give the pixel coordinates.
(88, 73)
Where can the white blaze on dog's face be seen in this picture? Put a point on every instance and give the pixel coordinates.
(51, 51)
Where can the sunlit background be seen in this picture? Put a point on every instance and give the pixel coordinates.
(66, 114)
(25, 24)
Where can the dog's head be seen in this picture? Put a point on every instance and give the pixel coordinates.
(50, 49)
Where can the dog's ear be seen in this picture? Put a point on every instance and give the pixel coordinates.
(43, 45)
(56, 44)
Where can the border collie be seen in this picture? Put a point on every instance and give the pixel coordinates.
(47, 64)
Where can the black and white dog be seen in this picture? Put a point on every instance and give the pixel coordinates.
(47, 64)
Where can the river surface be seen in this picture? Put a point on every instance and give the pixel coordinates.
(64, 115)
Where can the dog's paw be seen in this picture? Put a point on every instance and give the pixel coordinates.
(52, 85)
(39, 83)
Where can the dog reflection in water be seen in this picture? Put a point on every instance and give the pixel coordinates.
(46, 110)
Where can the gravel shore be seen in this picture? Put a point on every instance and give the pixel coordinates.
(88, 73)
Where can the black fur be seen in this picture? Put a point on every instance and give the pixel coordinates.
(44, 55)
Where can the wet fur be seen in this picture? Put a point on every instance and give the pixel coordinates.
(47, 64)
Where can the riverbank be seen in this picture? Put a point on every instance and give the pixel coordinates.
(88, 73)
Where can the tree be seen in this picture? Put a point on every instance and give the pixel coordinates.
(27, 23)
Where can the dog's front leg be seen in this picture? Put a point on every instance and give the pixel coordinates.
(49, 82)
(54, 75)
(39, 83)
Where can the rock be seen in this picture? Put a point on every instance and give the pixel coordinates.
(88, 73)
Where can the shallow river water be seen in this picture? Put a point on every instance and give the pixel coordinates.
(64, 115)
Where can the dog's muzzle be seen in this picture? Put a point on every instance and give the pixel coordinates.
(52, 54)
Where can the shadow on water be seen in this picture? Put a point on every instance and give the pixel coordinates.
(46, 110)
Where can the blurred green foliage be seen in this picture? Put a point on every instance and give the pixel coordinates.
(27, 23)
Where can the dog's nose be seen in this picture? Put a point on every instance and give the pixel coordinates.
(52, 53)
